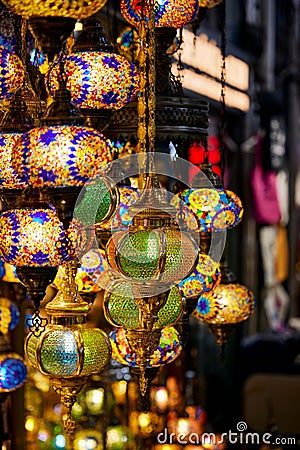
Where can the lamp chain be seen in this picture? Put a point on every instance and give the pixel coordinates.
(223, 88)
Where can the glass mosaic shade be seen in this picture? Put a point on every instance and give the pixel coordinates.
(13, 372)
(168, 13)
(68, 351)
(9, 179)
(121, 309)
(98, 202)
(32, 237)
(169, 348)
(205, 277)
(77, 9)
(97, 80)
(9, 315)
(60, 156)
(216, 209)
(12, 74)
(226, 304)
(164, 254)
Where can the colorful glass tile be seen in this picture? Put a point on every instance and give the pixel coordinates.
(61, 155)
(32, 237)
(77, 9)
(9, 179)
(168, 13)
(13, 372)
(215, 209)
(205, 277)
(12, 74)
(169, 348)
(226, 304)
(9, 315)
(97, 80)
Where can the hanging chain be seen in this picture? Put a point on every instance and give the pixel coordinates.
(223, 87)
(151, 78)
(146, 131)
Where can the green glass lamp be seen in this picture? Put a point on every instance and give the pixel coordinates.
(68, 351)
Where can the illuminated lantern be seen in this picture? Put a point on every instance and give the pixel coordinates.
(32, 237)
(168, 13)
(60, 156)
(9, 315)
(13, 372)
(167, 350)
(204, 278)
(77, 9)
(97, 80)
(12, 74)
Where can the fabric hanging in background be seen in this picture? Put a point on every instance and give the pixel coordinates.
(266, 208)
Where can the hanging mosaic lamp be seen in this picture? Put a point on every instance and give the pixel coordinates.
(97, 77)
(15, 122)
(154, 250)
(9, 315)
(61, 155)
(145, 353)
(68, 351)
(168, 13)
(226, 305)
(13, 371)
(12, 74)
(33, 239)
(123, 307)
(52, 23)
(205, 277)
(216, 208)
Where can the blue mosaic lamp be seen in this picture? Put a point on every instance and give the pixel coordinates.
(99, 79)
(13, 372)
(33, 239)
(216, 209)
(9, 315)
